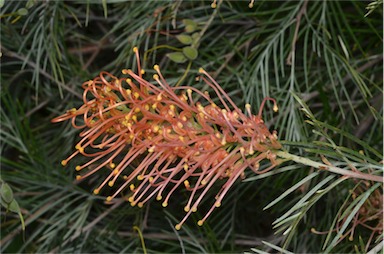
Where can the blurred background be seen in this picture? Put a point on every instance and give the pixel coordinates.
(321, 56)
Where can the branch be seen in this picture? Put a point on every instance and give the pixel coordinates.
(330, 168)
(298, 20)
(42, 72)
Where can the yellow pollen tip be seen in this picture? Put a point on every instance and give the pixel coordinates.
(136, 95)
(112, 165)
(140, 204)
(140, 177)
(186, 183)
(185, 166)
(137, 110)
(133, 203)
(275, 108)
(194, 209)
(150, 179)
(78, 168)
(132, 187)
(180, 125)
(204, 182)
(142, 71)
(135, 49)
(158, 198)
(64, 162)
(130, 199)
(248, 106)
(164, 204)
(156, 67)
(213, 5)
(96, 191)
(178, 227)
(109, 198)
(155, 77)
(201, 70)
(186, 209)
(151, 150)
(217, 204)
(115, 172)
(78, 177)
(111, 183)
(124, 71)
(200, 223)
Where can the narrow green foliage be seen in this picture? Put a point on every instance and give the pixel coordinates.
(320, 60)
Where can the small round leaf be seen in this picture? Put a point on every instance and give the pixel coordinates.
(14, 206)
(189, 22)
(185, 39)
(6, 193)
(22, 11)
(177, 57)
(190, 53)
(190, 28)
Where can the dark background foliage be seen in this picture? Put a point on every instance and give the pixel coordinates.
(323, 56)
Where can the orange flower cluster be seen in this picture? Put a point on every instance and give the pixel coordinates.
(179, 142)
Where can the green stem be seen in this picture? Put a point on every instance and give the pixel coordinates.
(330, 168)
(141, 238)
(185, 74)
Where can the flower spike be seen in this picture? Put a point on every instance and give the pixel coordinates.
(155, 139)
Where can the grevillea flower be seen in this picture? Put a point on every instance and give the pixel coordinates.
(155, 138)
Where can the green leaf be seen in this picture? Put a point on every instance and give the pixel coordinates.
(185, 39)
(189, 22)
(22, 11)
(195, 37)
(190, 53)
(29, 4)
(190, 28)
(177, 57)
(14, 206)
(6, 193)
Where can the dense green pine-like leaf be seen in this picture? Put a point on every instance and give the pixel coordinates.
(321, 61)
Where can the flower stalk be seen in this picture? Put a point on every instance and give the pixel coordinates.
(328, 167)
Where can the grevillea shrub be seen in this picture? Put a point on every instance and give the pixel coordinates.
(155, 138)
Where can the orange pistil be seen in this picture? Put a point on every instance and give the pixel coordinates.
(180, 143)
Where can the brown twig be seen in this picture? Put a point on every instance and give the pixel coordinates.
(41, 71)
(298, 20)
